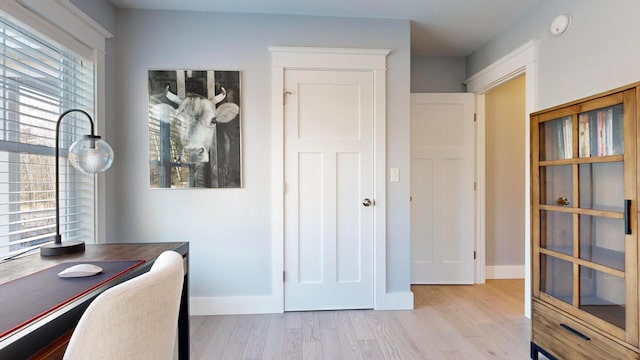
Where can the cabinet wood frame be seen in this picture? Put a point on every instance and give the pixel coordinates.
(629, 96)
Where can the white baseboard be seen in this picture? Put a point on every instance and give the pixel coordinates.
(396, 301)
(237, 305)
(233, 305)
(505, 272)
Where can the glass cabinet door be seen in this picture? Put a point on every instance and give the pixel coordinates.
(585, 187)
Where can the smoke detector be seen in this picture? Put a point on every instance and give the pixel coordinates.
(560, 24)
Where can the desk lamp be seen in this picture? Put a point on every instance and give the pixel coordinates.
(89, 154)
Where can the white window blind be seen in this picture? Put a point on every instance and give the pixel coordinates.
(39, 79)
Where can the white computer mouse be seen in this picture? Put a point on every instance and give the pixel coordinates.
(80, 270)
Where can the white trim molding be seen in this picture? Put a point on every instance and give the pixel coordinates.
(504, 69)
(373, 60)
(233, 305)
(396, 301)
(521, 61)
(238, 305)
(71, 20)
(101, 115)
(480, 245)
(336, 51)
(505, 272)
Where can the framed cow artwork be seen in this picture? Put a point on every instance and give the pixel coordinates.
(194, 129)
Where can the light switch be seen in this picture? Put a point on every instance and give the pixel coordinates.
(395, 174)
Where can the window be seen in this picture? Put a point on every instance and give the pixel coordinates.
(39, 79)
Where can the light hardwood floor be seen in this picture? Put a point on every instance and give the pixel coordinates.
(448, 322)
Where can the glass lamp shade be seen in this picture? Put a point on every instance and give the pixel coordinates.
(91, 155)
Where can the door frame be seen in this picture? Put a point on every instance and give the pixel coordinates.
(311, 58)
(521, 61)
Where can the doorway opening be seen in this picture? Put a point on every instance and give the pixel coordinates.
(521, 61)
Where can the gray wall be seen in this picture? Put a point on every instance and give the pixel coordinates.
(229, 229)
(505, 173)
(101, 11)
(105, 14)
(434, 74)
(599, 52)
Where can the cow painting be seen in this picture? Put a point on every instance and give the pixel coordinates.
(197, 119)
(194, 131)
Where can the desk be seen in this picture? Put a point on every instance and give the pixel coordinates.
(29, 339)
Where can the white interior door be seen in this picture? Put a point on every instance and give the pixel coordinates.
(328, 173)
(442, 188)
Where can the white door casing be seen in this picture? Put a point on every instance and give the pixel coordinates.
(442, 188)
(370, 60)
(328, 172)
(520, 61)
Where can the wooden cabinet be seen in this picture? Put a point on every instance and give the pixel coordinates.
(585, 227)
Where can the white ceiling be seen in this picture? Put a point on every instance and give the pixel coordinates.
(438, 27)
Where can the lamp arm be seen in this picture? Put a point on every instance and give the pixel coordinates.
(58, 236)
(70, 111)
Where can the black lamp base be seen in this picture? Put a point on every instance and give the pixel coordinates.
(66, 247)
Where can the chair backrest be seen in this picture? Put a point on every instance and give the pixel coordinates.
(136, 319)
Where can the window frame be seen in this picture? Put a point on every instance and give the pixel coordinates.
(64, 23)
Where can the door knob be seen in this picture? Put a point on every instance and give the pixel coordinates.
(367, 202)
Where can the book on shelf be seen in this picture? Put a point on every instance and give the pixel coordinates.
(617, 133)
(584, 146)
(600, 133)
(593, 145)
(562, 145)
(609, 132)
(559, 139)
(567, 137)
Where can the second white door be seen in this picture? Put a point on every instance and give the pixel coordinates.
(329, 188)
(442, 188)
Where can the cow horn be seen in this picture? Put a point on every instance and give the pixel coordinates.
(221, 96)
(173, 97)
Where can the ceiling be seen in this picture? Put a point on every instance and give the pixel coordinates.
(438, 27)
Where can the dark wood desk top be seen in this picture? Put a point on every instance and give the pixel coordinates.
(40, 333)
(29, 264)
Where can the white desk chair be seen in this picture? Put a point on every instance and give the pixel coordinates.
(136, 319)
